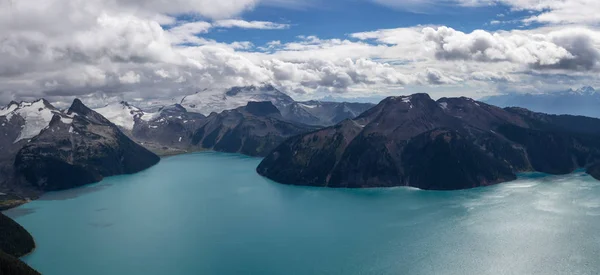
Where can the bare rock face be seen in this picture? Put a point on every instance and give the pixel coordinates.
(454, 143)
(322, 113)
(251, 130)
(77, 148)
(172, 128)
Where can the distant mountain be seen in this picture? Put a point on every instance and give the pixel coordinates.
(217, 100)
(253, 130)
(454, 143)
(123, 115)
(73, 148)
(584, 101)
(169, 129)
(320, 113)
(323, 113)
(31, 117)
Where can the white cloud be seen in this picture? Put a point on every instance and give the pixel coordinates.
(573, 48)
(130, 77)
(559, 11)
(237, 23)
(114, 49)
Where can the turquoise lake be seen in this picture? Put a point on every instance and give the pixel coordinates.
(210, 213)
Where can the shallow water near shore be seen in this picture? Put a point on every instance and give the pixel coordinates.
(210, 213)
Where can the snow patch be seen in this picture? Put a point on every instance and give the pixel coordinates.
(7, 110)
(121, 114)
(218, 100)
(307, 106)
(36, 114)
(358, 124)
(150, 116)
(66, 120)
(444, 105)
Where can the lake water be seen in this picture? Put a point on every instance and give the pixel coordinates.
(210, 213)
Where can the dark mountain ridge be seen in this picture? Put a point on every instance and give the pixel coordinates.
(76, 147)
(253, 130)
(15, 242)
(454, 143)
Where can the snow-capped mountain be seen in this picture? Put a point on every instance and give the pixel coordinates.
(31, 117)
(43, 148)
(584, 101)
(218, 100)
(586, 90)
(209, 101)
(124, 115)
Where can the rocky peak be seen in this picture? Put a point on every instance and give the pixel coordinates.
(175, 108)
(78, 108)
(77, 148)
(262, 108)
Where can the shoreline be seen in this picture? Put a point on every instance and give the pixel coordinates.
(32, 250)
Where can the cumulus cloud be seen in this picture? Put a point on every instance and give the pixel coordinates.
(493, 47)
(130, 77)
(574, 48)
(136, 49)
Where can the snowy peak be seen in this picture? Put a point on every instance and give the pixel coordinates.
(123, 114)
(36, 116)
(586, 90)
(583, 91)
(78, 108)
(218, 100)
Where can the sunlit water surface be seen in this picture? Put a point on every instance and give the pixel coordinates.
(210, 213)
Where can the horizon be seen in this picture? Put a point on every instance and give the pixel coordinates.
(375, 99)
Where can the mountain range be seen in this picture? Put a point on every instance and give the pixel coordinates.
(318, 113)
(43, 148)
(583, 101)
(448, 144)
(219, 120)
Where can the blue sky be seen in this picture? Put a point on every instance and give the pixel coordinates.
(336, 18)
